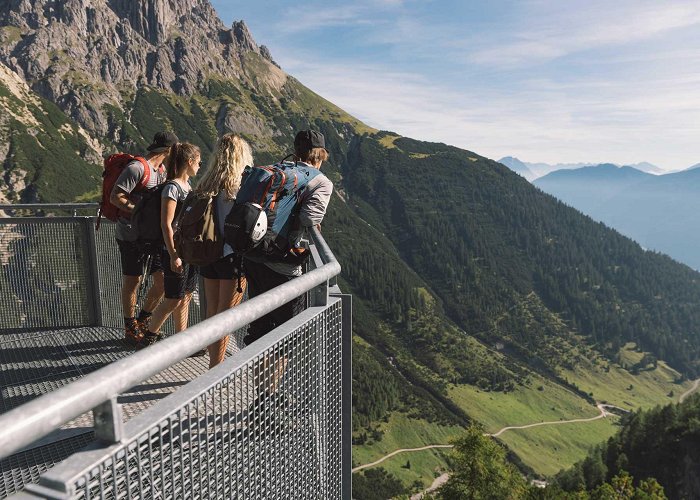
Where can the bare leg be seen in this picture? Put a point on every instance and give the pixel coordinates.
(228, 298)
(211, 295)
(161, 313)
(181, 313)
(155, 293)
(130, 285)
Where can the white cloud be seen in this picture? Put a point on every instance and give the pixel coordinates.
(325, 15)
(543, 121)
(559, 34)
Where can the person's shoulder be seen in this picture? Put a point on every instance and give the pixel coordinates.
(135, 165)
(321, 181)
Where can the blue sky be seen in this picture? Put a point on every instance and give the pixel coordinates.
(543, 80)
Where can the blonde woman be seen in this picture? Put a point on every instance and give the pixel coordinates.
(221, 278)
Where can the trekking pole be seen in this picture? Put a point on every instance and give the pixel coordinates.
(141, 295)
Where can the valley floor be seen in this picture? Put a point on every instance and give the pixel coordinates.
(528, 420)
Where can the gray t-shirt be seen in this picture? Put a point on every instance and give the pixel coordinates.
(127, 182)
(175, 191)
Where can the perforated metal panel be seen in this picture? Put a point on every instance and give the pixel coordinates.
(269, 429)
(26, 467)
(43, 274)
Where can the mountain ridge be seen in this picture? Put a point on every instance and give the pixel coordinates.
(658, 211)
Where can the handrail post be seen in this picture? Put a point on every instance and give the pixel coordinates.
(93, 285)
(108, 421)
(346, 395)
(318, 296)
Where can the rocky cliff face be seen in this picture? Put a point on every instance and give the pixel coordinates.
(103, 75)
(84, 55)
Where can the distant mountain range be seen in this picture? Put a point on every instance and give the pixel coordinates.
(658, 211)
(532, 171)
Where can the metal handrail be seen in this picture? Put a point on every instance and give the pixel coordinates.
(37, 418)
(45, 206)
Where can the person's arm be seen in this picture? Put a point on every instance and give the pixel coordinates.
(126, 183)
(121, 200)
(315, 201)
(167, 214)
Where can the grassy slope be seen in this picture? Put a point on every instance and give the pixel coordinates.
(401, 431)
(545, 449)
(46, 146)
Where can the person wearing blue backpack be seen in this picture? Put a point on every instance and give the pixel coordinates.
(267, 270)
(278, 258)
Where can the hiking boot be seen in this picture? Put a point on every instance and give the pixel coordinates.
(143, 322)
(134, 335)
(151, 338)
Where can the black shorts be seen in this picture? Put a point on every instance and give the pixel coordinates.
(133, 258)
(226, 268)
(177, 285)
(261, 279)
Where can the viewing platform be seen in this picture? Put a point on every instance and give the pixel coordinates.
(84, 415)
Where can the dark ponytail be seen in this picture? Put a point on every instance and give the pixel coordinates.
(180, 153)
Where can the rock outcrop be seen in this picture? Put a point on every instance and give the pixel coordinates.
(85, 55)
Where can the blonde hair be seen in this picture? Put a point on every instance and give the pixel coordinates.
(180, 154)
(312, 156)
(232, 155)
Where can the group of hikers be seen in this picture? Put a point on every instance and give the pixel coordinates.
(240, 227)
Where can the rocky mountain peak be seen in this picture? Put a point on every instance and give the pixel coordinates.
(155, 20)
(86, 54)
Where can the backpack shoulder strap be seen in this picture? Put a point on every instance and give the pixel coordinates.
(146, 172)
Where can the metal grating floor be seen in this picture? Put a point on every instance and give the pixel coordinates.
(33, 363)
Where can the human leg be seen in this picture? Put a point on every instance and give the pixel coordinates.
(181, 313)
(228, 298)
(176, 288)
(155, 292)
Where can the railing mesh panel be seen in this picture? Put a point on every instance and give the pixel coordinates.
(269, 430)
(46, 278)
(110, 279)
(44, 274)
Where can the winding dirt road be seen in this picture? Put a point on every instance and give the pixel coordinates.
(687, 393)
(402, 450)
(601, 407)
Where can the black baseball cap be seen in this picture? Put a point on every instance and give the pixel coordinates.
(162, 141)
(306, 140)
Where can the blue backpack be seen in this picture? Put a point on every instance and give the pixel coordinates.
(265, 213)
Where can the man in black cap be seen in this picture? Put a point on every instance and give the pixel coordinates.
(309, 151)
(138, 176)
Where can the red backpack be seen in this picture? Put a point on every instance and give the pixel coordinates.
(113, 167)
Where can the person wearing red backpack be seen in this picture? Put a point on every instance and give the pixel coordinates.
(137, 176)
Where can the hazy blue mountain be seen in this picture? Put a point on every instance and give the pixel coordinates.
(658, 211)
(541, 169)
(518, 167)
(649, 168)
